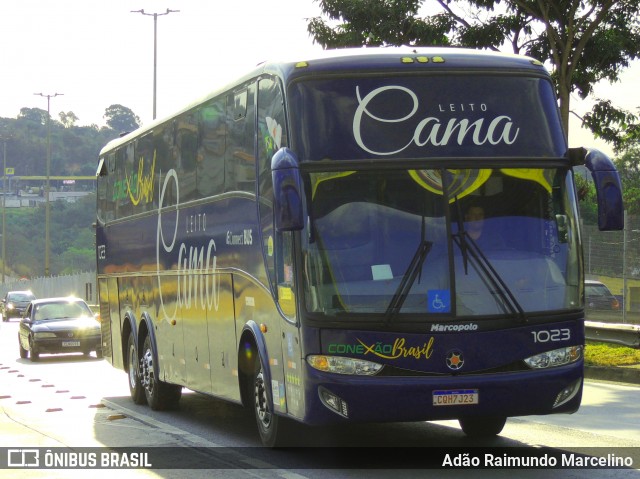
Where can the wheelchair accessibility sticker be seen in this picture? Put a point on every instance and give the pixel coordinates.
(439, 301)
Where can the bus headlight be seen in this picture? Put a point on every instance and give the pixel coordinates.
(340, 365)
(557, 357)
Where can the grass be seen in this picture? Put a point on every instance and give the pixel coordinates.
(610, 355)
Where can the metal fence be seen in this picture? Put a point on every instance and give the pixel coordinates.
(82, 285)
(613, 257)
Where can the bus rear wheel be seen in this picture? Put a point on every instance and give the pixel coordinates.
(275, 431)
(135, 387)
(482, 426)
(160, 395)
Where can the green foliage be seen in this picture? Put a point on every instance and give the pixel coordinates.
(587, 199)
(617, 126)
(584, 42)
(34, 115)
(377, 22)
(74, 149)
(74, 152)
(121, 119)
(628, 166)
(72, 238)
(610, 355)
(68, 119)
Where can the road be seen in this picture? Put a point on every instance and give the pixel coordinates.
(78, 402)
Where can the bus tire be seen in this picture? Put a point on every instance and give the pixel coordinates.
(160, 395)
(133, 371)
(274, 430)
(482, 426)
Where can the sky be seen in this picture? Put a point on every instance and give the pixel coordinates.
(98, 53)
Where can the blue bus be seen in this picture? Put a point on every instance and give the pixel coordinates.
(369, 235)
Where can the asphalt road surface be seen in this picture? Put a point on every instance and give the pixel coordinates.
(70, 401)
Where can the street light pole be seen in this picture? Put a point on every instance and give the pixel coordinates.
(46, 226)
(624, 268)
(4, 205)
(155, 48)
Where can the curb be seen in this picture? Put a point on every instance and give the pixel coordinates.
(623, 375)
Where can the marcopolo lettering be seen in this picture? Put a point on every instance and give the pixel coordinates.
(445, 328)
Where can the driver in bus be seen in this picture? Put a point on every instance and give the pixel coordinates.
(475, 228)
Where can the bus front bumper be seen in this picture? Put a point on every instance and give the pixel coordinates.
(335, 398)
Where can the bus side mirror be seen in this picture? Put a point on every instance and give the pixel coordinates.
(287, 188)
(608, 188)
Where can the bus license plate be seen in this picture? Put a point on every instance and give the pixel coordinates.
(457, 397)
(70, 344)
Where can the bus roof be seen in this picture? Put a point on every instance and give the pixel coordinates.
(346, 60)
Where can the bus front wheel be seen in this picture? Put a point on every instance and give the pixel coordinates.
(135, 388)
(482, 426)
(274, 430)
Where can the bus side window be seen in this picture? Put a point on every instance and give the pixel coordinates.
(105, 189)
(185, 163)
(239, 155)
(121, 197)
(212, 145)
(149, 155)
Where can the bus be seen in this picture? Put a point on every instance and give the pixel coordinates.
(366, 235)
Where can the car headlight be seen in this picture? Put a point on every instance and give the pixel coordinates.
(43, 335)
(340, 365)
(10, 306)
(557, 357)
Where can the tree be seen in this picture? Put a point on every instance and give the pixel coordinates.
(36, 115)
(377, 23)
(628, 166)
(584, 42)
(68, 119)
(121, 118)
(618, 126)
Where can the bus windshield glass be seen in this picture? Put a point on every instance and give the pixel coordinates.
(492, 242)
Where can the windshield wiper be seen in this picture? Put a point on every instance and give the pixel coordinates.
(409, 277)
(487, 272)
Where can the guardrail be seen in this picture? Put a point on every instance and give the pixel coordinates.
(624, 334)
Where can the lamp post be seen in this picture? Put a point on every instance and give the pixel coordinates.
(155, 48)
(46, 227)
(4, 199)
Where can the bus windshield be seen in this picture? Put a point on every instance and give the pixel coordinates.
(484, 242)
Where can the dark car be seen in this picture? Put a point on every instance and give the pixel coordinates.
(600, 303)
(598, 296)
(14, 303)
(59, 325)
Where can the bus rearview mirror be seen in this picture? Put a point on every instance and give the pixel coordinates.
(287, 188)
(608, 190)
